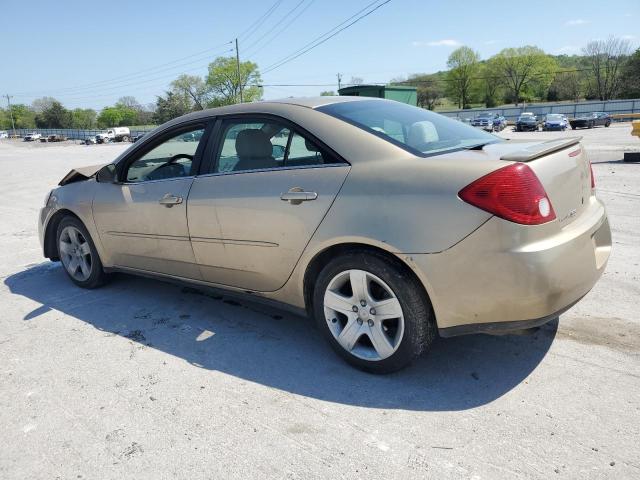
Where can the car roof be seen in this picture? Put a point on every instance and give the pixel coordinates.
(266, 106)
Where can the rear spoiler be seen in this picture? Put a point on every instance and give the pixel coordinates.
(540, 150)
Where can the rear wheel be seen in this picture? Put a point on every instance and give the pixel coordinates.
(607, 123)
(78, 254)
(125, 138)
(373, 314)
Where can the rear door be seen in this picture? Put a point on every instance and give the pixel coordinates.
(267, 190)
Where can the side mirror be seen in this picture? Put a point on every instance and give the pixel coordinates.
(107, 174)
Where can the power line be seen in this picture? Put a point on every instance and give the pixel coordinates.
(284, 27)
(276, 25)
(133, 74)
(326, 36)
(255, 26)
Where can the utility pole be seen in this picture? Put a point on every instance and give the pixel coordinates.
(339, 80)
(238, 69)
(13, 125)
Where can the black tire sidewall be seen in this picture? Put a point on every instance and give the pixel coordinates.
(418, 325)
(97, 276)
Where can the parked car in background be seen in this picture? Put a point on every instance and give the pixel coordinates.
(491, 122)
(117, 134)
(503, 235)
(528, 122)
(590, 120)
(555, 121)
(135, 138)
(4, 134)
(31, 137)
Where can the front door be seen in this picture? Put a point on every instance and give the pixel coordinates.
(142, 220)
(268, 190)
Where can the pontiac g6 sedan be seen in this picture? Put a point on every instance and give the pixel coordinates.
(388, 224)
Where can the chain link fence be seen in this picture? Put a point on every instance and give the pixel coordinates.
(612, 107)
(72, 133)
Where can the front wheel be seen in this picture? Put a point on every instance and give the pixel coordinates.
(373, 314)
(78, 254)
(607, 124)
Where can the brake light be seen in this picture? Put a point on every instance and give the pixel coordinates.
(593, 178)
(513, 193)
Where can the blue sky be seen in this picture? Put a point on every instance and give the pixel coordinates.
(89, 54)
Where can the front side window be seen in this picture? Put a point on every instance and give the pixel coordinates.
(419, 131)
(265, 144)
(172, 158)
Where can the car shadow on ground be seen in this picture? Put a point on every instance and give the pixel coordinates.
(281, 350)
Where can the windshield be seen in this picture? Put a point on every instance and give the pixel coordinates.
(527, 118)
(418, 131)
(554, 117)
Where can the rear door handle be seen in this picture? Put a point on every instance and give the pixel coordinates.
(169, 200)
(296, 196)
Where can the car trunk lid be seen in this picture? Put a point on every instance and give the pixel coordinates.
(561, 166)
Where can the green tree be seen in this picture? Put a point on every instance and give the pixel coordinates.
(521, 69)
(84, 118)
(194, 88)
(327, 93)
(54, 115)
(117, 116)
(171, 106)
(463, 66)
(222, 81)
(23, 116)
(631, 86)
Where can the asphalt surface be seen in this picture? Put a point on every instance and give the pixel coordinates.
(144, 379)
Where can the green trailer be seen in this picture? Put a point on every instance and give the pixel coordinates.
(402, 94)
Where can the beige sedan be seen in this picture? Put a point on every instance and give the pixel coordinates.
(388, 224)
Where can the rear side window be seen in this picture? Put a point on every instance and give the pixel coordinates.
(256, 145)
(419, 131)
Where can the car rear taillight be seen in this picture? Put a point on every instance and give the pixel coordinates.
(593, 178)
(513, 193)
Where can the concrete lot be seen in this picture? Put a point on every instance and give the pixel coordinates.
(143, 379)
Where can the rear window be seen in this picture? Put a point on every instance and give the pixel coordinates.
(418, 131)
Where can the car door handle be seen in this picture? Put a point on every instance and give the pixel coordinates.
(170, 200)
(296, 196)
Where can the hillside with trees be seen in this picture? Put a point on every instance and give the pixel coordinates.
(606, 69)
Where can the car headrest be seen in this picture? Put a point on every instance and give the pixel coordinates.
(310, 146)
(422, 133)
(253, 143)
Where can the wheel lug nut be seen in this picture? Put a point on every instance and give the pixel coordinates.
(370, 322)
(363, 303)
(354, 308)
(372, 311)
(359, 321)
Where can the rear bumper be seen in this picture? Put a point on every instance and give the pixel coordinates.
(505, 276)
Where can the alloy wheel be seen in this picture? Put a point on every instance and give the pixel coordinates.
(364, 315)
(75, 253)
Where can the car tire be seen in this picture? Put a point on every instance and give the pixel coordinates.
(125, 138)
(354, 322)
(590, 125)
(607, 123)
(78, 254)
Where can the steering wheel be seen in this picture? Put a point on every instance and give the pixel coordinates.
(177, 157)
(168, 169)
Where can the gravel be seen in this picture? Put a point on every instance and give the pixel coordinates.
(143, 379)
